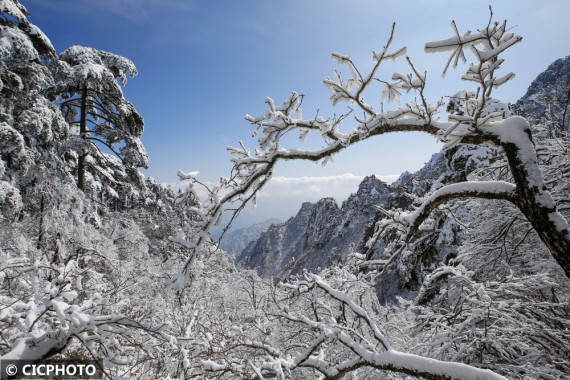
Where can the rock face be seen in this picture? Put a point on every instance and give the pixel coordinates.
(320, 234)
(550, 89)
(236, 240)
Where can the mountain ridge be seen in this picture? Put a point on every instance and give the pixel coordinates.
(317, 235)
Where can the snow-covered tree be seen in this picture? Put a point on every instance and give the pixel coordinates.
(28, 120)
(88, 82)
(479, 119)
(58, 269)
(327, 323)
(31, 126)
(61, 283)
(502, 302)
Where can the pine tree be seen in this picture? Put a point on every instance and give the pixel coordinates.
(88, 82)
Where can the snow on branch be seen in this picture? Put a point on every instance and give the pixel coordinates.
(408, 225)
(482, 189)
(96, 327)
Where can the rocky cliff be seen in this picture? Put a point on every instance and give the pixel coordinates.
(320, 234)
(548, 95)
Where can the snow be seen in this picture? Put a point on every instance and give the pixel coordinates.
(432, 366)
(466, 189)
(14, 9)
(502, 80)
(452, 42)
(357, 309)
(191, 175)
(392, 56)
(37, 35)
(390, 93)
(10, 197)
(60, 307)
(15, 44)
(345, 60)
(88, 58)
(558, 220)
(80, 320)
(211, 365)
(516, 130)
(22, 350)
(180, 281)
(489, 54)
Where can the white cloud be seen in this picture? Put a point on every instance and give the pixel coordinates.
(331, 179)
(315, 187)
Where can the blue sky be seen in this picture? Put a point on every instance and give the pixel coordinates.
(205, 64)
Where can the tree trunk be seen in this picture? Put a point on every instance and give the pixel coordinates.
(83, 132)
(536, 203)
(41, 228)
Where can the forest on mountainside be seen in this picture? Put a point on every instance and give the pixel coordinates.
(460, 271)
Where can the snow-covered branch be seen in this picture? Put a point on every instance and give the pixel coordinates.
(368, 347)
(475, 118)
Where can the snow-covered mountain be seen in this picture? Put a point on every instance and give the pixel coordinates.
(548, 95)
(320, 234)
(234, 241)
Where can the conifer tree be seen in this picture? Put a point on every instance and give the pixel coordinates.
(90, 96)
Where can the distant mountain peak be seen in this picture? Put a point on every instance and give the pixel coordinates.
(547, 95)
(236, 240)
